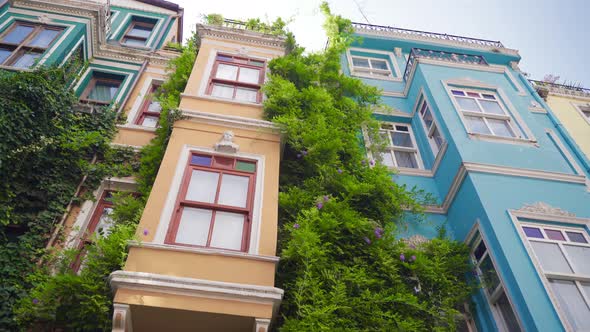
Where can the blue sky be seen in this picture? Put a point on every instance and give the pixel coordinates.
(553, 37)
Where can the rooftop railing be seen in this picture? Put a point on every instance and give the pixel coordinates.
(441, 56)
(562, 88)
(426, 34)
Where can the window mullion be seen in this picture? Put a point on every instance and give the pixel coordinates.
(567, 258)
(583, 293)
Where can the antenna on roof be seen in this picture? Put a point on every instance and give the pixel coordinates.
(361, 10)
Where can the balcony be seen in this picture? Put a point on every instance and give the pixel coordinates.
(458, 58)
(544, 88)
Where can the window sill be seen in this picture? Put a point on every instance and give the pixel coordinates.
(16, 68)
(203, 251)
(502, 139)
(223, 100)
(380, 78)
(412, 171)
(137, 128)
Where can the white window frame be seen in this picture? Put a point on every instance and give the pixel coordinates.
(391, 148)
(434, 126)
(542, 219)
(477, 236)
(393, 71)
(517, 124)
(582, 112)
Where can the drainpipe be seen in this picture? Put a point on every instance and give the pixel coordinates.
(133, 85)
(560, 128)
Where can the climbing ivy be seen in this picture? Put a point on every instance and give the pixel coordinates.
(343, 267)
(63, 299)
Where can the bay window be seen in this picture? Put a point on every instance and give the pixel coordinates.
(483, 113)
(563, 255)
(24, 43)
(237, 78)
(402, 150)
(492, 286)
(150, 109)
(214, 207)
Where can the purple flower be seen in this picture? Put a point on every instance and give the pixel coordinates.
(402, 257)
(298, 155)
(35, 301)
(296, 226)
(372, 162)
(416, 289)
(145, 232)
(378, 232)
(320, 206)
(304, 152)
(326, 198)
(363, 161)
(340, 171)
(412, 246)
(367, 240)
(413, 258)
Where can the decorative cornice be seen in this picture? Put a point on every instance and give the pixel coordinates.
(544, 208)
(230, 120)
(459, 58)
(194, 287)
(241, 35)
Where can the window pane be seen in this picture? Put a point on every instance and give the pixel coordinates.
(488, 96)
(104, 91)
(406, 159)
(479, 251)
(477, 125)
(554, 235)
(18, 34)
(26, 60)
(576, 237)
(223, 162)
(246, 166)
(402, 139)
(105, 222)
(572, 303)
(508, 315)
(150, 121)
(155, 106)
(226, 72)
(458, 93)
(532, 232)
(249, 75)
(438, 139)
(473, 94)
(580, 257)
(227, 230)
(194, 226)
(491, 107)
(202, 186)
(201, 160)
(140, 31)
(586, 287)
(489, 274)
(501, 127)
(427, 118)
(468, 104)
(249, 95)
(134, 42)
(4, 54)
(223, 91)
(44, 38)
(234, 190)
(550, 257)
(358, 62)
(387, 159)
(379, 64)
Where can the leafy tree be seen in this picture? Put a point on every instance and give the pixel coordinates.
(342, 266)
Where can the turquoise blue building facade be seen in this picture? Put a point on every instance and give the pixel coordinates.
(464, 125)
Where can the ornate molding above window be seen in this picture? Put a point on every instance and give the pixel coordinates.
(544, 208)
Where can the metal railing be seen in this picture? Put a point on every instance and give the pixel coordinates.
(426, 34)
(562, 88)
(441, 56)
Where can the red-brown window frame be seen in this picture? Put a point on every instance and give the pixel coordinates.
(19, 49)
(146, 104)
(132, 25)
(181, 202)
(213, 80)
(85, 239)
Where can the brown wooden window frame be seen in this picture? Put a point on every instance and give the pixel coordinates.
(182, 202)
(135, 22)
(92, 83)
(86, 238)
(235, 83)
(144, 109)
(18, 50)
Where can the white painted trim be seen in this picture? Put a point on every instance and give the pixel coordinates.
(248, 50)
(576, 106)
(391, 57)
(140, 98)
(115, 64)
(417, 106)
(204, 251)
(233, 121)
(69, 55)
(495, 312)
(539, 110)
(57, 43)
(130, 126)
(135, 148)
(170, 203)
(123, 87)
(122, 321)
(524, 172)
(114, 15)
(159, 283)
(124, 23)
(570, 159)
